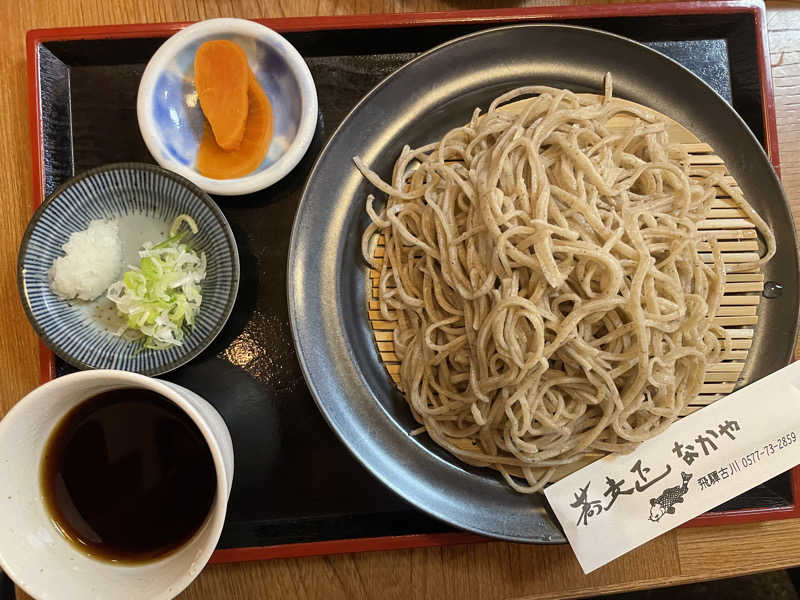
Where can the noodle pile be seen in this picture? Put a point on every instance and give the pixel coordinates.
(542, 272)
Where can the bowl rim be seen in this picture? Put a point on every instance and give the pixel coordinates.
(135, 166)
(297, 65)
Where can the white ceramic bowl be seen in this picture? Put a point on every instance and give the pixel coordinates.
(171, 121)
(35, 554)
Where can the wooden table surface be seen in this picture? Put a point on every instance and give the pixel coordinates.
(485, 571)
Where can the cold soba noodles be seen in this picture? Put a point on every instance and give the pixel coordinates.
(542, 274)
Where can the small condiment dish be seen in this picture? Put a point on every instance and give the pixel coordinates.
(171, 120)
(143, 199)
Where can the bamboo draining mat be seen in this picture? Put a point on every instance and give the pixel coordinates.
(738, 312)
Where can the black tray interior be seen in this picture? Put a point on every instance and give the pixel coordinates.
(294, 480)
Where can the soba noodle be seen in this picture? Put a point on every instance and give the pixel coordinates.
(543, 277)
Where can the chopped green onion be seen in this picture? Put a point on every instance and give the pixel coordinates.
(162, 295)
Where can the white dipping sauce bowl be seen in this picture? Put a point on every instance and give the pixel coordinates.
(32, 550)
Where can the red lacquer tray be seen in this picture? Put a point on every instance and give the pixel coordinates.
(82, 83)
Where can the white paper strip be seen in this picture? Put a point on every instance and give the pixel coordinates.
(620, 502)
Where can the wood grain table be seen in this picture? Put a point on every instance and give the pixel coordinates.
(485, 571)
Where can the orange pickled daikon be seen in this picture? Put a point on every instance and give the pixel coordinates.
(222, 77)
(218, 163)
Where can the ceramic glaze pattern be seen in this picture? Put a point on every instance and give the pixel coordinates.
(72, 329)
(171, 119)
(178, 115)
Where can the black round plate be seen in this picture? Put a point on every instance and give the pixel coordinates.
(416, 105)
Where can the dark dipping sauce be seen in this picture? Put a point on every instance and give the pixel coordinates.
(127, 476)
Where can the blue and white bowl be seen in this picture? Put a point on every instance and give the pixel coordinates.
(171, 121)
(144, 199)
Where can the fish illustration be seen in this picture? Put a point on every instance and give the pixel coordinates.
(663, 504)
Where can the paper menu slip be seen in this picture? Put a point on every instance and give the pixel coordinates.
(702, 460)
